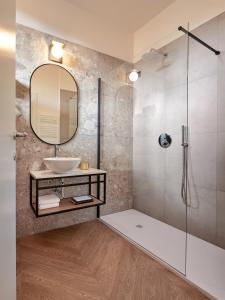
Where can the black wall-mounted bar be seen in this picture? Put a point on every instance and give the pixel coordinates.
(99, 141)
(180, 28)
(99, 125)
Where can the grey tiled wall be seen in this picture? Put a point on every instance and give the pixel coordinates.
(161, 106)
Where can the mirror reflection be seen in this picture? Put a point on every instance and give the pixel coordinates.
(54, 104)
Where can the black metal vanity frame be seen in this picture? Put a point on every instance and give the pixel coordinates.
(97, 202)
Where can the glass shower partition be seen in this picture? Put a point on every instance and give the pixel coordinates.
(206, 163)
(159, 137)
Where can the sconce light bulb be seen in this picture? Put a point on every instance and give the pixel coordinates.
(133, 76)
(57, 50)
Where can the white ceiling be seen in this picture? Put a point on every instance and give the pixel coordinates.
(126, 15)
(125, 29)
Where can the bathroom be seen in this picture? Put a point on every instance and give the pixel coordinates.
(118, 194)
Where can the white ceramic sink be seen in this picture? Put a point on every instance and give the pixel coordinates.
(62, 164)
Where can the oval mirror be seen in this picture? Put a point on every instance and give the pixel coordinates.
(53, 104)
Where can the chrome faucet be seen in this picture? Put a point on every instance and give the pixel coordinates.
(57, 149)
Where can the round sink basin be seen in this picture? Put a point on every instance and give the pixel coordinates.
(62, 164)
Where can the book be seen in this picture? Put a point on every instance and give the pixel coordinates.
(82, 199)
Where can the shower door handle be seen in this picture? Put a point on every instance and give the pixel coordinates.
(184, 145)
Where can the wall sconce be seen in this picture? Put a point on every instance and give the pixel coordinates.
(7, 40)
(134, 75)
(56, 51)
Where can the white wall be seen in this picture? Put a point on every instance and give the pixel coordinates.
(163, 28)
(7, 150)
(64, 20)
(67, 21)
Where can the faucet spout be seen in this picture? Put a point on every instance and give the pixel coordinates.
(56, 149)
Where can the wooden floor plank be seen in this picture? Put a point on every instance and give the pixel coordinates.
(90, 261)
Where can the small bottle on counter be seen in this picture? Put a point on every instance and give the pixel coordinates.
(84, 165)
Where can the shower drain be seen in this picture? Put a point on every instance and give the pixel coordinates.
(139, 226)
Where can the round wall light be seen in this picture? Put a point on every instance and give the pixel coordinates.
(56, 51)
(134, 75)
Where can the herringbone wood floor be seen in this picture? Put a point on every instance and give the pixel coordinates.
(91, 262)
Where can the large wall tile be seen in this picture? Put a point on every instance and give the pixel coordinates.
(174, 159)
(202, 105)
(174, 68)
(220, 170)
(221, 32)
(149, 196)
(86, 149)
(149, 156)
(221, 92)
(220, 219)
(115, 154)
(162, 103)
(202, 160)
(202, 61)
(202, 213)
(175, 208)
(150, 121)
(149, 101)
(175, 113)
(119, 191)
(27, 224)
(117, 114)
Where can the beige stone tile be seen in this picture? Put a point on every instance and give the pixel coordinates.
(86, 66)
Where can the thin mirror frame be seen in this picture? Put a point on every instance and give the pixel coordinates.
(31, 103)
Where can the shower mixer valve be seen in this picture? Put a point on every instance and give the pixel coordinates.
(165, 140)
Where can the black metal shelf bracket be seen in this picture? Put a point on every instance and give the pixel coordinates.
(37, 187)
(180, 28)
(101, 193)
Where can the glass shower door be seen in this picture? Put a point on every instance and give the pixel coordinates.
(206, 164)
(160, 124)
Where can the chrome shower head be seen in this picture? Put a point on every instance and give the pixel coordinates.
(153, 53)
(158, 58)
